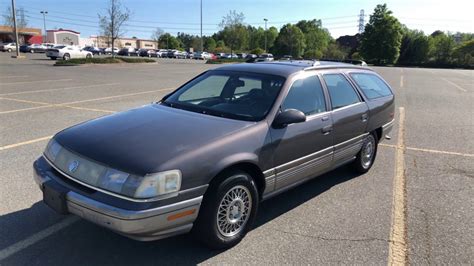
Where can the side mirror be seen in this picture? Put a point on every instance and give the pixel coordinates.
(287, 117)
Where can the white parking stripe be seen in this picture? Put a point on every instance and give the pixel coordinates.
(455, 85)
(36, 81)
(19, 246)
(59, 89)
(11, 77)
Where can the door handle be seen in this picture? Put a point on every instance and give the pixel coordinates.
(327, 129)
(365, 117)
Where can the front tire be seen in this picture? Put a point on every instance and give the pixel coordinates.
(228, 210)
(366, 156)
(66, 57)
(88, 56)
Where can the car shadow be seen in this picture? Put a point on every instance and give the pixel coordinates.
(85, 243)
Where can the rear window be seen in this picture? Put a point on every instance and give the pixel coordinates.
(372, 86)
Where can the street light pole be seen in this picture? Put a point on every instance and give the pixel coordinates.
(16, 30)
(44, 23)
(265, 34)
(202, 45)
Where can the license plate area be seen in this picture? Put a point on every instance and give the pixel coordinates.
(54, 196)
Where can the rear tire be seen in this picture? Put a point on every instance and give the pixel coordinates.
(228, 210)
(366, 156)
(32, 51)
(88, 56)
(9, 50)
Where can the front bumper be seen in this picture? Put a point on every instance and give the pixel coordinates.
(144, 225)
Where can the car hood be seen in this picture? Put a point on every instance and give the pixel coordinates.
(138, 141)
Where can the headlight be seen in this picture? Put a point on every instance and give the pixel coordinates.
(113, 180)
(52, 150)
(159, 184)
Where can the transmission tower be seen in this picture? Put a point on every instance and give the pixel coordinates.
(361, 21)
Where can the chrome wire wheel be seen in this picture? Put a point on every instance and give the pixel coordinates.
(234, 211)
(368, 151)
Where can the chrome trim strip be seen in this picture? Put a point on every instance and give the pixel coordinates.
(171, 195)
(389, 124)
(308, 157)
(307, 169)
(269, 172)
(351, 140)
(123, 214)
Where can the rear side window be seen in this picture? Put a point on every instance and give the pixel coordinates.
(306, 95)
(372, 86)
(340, 90)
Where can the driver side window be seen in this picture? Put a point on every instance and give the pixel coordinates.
(306, 95)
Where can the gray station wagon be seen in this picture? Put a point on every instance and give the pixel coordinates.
(203, 157)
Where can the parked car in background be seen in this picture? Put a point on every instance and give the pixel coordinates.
(8, 47)
(147, 52)
(128, 51)
(190, 55)
(67, 52)
(251, 56)
(264, 58)
(241, 55)
(108, 50)
(220, 55)
(35, 48)
(202, 56)
(287, 57)
(24, 48)
(93, 50)
(229, 139)
(162, 53)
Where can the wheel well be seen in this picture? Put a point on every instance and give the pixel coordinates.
(378, 133)
(251, 169)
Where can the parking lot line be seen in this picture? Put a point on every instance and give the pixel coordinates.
(11, 77)
(117, 96)
(455, 85)
(45, 105)
(398, 234)
(11, 146)
(430, 150)
(36, 81)
(401, 81)
(59, 89)
(19, 246)
(25, 109)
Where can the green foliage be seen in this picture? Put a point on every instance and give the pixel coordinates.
(167, 41)
(316, 38)
(464, 53)
(290, 41)
(210, 44)
(257, 51)
(356, 56)
(335, 51)
(220, 43)
(414, 47)
(313, 54)
(233, 32)
(442, 47)
(381, 39)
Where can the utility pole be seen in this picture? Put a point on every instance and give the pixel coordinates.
(44, 23)
(16, 30)
(361, 21)
(265, 34)
(202, 45)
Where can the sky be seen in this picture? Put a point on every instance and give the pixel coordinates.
(338, 16)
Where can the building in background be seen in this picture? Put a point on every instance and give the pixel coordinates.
(103, 42)
(62, 36)
(25, 35)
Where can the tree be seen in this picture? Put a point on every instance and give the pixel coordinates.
(336, 51)
(210, 44)
(414, 47)
(442, 47)
(316, 38)
(464, 53)
(382, 37)
(156, 35)
(113, 21)
(21, 21)
(290, 41)
(169, 41)
(233, 32)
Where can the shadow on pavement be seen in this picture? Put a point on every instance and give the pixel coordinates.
(85, 243)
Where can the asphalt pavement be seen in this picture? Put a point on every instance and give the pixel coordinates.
(338, 218)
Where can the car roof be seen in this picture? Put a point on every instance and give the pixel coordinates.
(286, 68)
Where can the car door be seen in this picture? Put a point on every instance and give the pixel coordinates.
(303, 150)
(349, 114)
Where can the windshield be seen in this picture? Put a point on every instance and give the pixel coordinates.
(231, 94)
